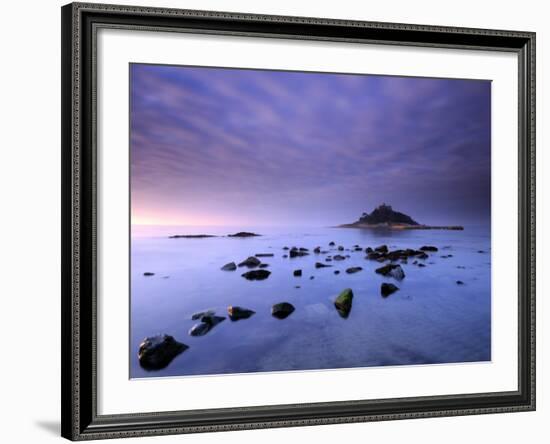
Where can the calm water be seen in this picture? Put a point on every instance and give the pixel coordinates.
(430, 319)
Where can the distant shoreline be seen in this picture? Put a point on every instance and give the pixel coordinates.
(401, 226)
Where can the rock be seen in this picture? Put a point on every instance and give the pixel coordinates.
(368, 250)
(386, 289)
(201, 314)
(156, 352)
(317, 250)
(294, 252)
(297, 273)
(328, 259)
(343, 302)
(321, 265)
(428, 248)
(421, 265)
(264, 255)
(243, 234)
(340, 248)
(256, 275)
(336, 271)
(353, 270)
(297, 286)
(422, 256)
(236, 313)
(148, 273)
(286, 248)
(331, 244)
(339, 257)
(392, 270)
(382, 249)
(481, 251)
(357, 249)
(459, 283)
(190, 236)
(263, 265)
(303, 249)
(375, 255)
(312, 277)
(285, 256)
(250, 262)
(208, 322)
(462, 267)
(282, 310)
(229, 267)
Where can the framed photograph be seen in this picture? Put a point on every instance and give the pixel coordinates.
(281, 221)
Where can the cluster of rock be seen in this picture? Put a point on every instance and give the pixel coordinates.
(157, 352)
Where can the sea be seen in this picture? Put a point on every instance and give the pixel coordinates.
(430, 320)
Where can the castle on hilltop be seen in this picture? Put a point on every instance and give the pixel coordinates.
(384, 214)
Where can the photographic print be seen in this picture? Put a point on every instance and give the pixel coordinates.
(285, 220)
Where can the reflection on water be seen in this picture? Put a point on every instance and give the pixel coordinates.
(430, 319)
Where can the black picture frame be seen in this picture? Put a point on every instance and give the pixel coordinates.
(80, 22)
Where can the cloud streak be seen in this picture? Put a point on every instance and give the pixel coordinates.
(271, 147)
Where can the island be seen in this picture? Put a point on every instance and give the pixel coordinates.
(385, 217)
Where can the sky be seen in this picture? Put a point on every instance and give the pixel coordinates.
(236, 147)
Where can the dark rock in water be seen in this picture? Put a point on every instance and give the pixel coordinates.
(481, 251)
(263, 265)
(357, 249)
(250, 262)
(336, 271)
(328, 259)
(256, 275)
(382, 249)
(375, 255)
(243, 234)
(303, 249)
(201, 314)
(331, 244)
(321, 265)
(392, 270)
(343, 302)
(428, 248)
(190, 236)
(404, 261)
(317, 250)
(459, 283)
(148, 273)
(297, 273)
(156, 352)
(415, 262)
(339, 257)
(285, 256)
(297, 286)
(312, 277)
(236, 313)
(422, 256)
(462, 267)
(368, 250)
(286, 248)
(353, 270)
(386, 289)
(421, 265)
(264, 255)
(340, 248)
(229, 267)
(282, 310)
(294, 252)
(208, 322)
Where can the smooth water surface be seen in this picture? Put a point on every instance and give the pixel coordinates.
(429, 320)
